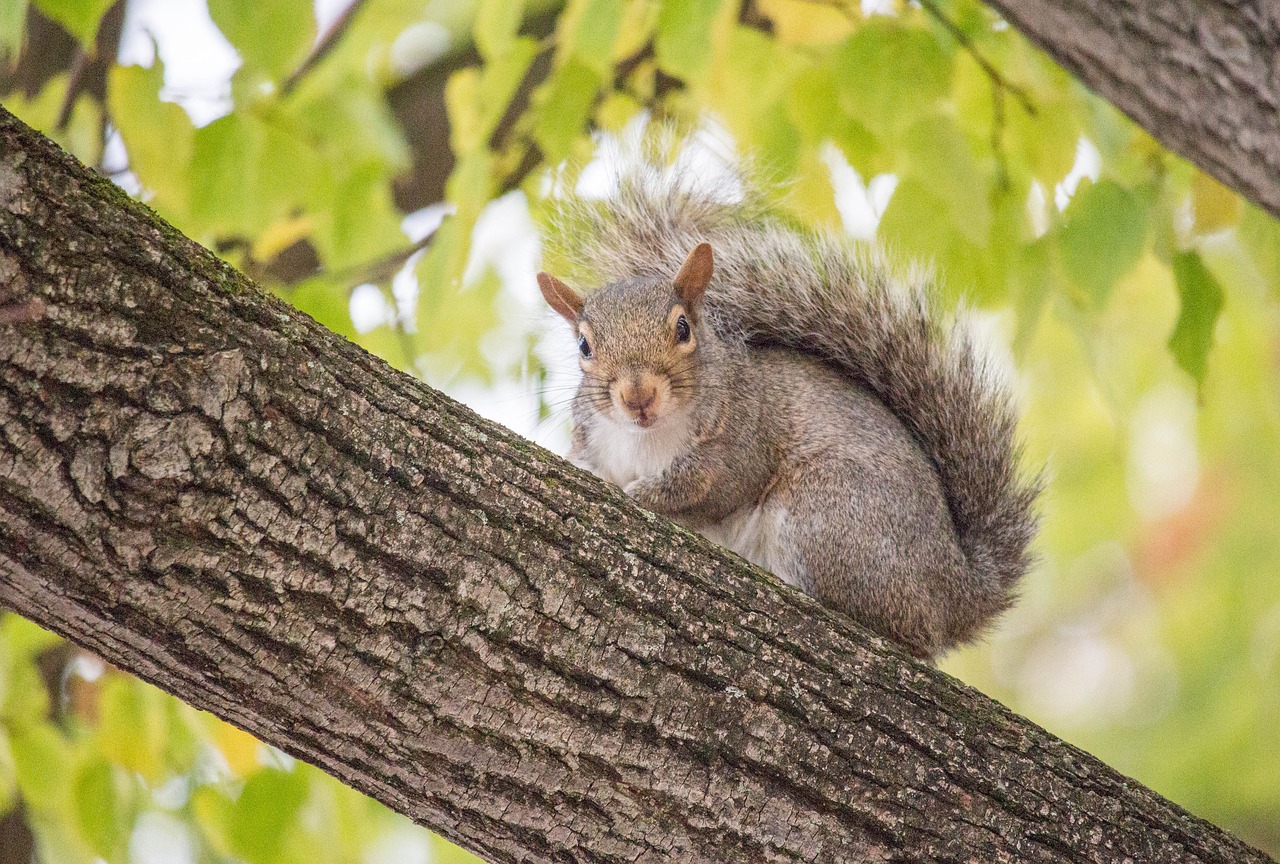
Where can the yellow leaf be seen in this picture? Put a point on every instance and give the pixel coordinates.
(803, 22)
(1216, 207)
(280, 235)
(239, 748)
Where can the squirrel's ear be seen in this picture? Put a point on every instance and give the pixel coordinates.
(695, 273)
(560, 297)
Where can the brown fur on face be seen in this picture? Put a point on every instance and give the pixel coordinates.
(638, 364)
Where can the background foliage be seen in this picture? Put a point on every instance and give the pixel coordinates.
(381, 172)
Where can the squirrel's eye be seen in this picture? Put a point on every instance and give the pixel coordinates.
(584, 348)
(682, 329)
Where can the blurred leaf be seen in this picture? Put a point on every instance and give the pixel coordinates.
(24, 638)
(938, 155)
(1047, 142)
(325, 300)
(272, 37)
(263, 819)
(45, 764)
(13, 20)
(281, 235)
(593, 25)
(890, 74)
(80, 17)
(444, 852)
(238, 747)
(616, 111)
(212, 810)
(496, 25)
(801, 22)
(1200, 302)
(1259, 234)
(133, 726)
(1103, 236)
(478, 98)
(26, 699)
(158, 136)
(82, 134)
(915, 222)
(8, 774)
(813, 105)
(224, 187)
(564, 103)
(103, 808)
(683, 46)
(1215, 206)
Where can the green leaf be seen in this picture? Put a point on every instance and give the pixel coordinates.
(1200, 302)
(814, 106)
(13, 25)
(133, 726)
(272, 37)
(1103, 236)
(915, 222)
(80, 17)
(496, 25)
(249, 173)
(890, 74)
(8, 774)
(224, 182)
(265, 815)
(25, 638)
(564, 103)
(157, 135)
(938, 155)
(1046, 142)
(103, 808)
(683, 47)
(1259, 234)
(44, 765)
(594, 26)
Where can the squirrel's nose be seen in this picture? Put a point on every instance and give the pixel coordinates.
(636, 397)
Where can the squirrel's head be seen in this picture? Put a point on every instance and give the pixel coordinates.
(638, 339)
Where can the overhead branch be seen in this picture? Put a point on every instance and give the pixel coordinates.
(1200, 75)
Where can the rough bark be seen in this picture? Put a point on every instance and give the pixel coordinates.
(213, 492)
(1202, 76)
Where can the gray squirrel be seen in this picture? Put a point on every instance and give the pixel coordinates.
(784, 394)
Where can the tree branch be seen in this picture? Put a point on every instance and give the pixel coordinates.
(208, 489)
(1201, 77)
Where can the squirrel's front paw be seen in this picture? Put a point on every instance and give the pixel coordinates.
(645, 492)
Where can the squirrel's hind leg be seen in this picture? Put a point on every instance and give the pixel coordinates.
(862, 553)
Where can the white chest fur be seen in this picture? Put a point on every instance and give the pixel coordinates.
(621, 454)
(759, 532)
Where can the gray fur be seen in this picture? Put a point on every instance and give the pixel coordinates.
(890, 457)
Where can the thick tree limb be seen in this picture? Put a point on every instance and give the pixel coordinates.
(209, 490)
(1202, 76)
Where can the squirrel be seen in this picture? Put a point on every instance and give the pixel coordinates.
(783, 393)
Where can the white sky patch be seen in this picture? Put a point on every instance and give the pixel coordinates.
(1163, 468)
(1088, 164)
(198, 60)
(417, 46)
(159, 838)
(369, 308)
(861, 205)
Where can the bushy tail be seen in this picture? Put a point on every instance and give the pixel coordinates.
(824, 295)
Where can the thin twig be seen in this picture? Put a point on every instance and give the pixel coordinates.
(972, 50)
(75, 80)
(321, 49)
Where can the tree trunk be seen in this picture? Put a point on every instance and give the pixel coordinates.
(1202, 76)
(211, 491)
